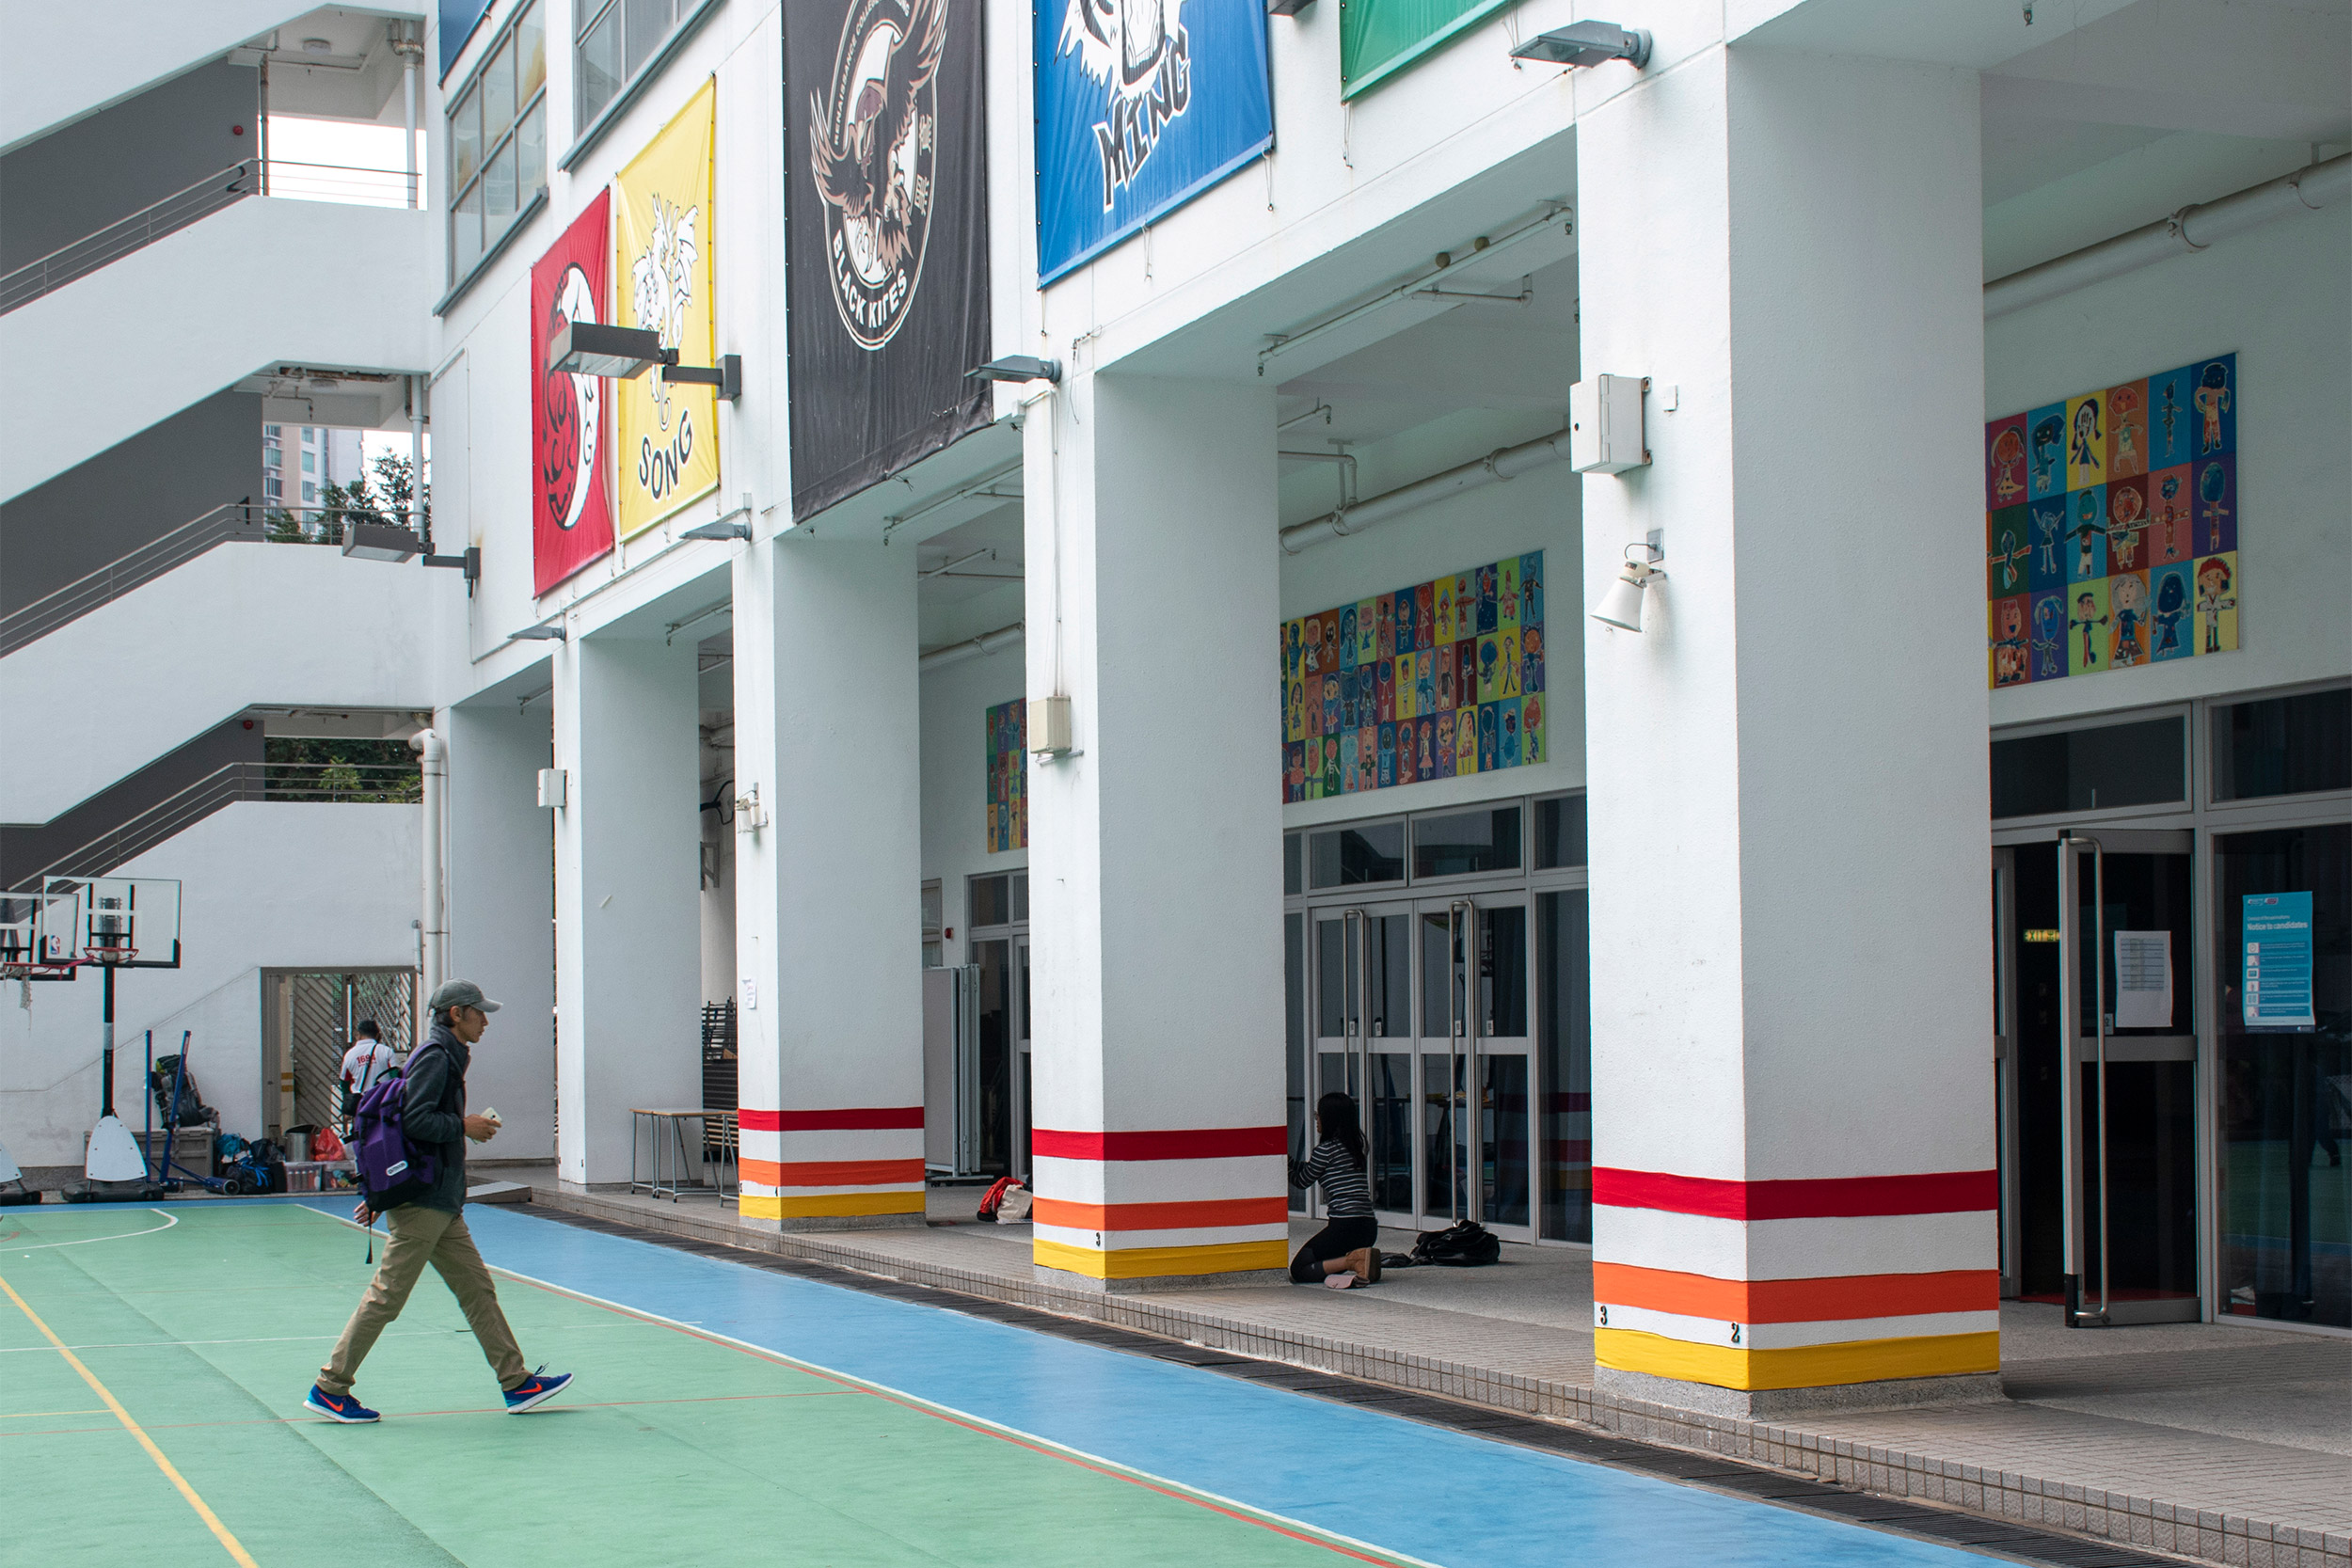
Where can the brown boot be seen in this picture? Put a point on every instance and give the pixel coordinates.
(1366, 1262)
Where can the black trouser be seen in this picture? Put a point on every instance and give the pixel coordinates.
(1336, 1240)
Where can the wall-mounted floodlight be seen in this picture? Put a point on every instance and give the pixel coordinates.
(727, 374)
(380, 542)
(594, 348)
(1587, 43)
(1622, 605)
(551, 631)
(725, 528)
(1018, 366)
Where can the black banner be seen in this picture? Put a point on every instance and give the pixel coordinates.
(885, 175)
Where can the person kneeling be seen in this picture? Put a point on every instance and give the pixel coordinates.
(1346, 1252)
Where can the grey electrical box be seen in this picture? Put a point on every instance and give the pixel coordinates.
(552, 788)
(1605, 435)
(1049, 726)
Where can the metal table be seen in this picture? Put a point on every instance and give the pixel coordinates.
(664, 1130)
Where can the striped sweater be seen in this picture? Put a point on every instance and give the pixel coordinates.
(1346, 1194)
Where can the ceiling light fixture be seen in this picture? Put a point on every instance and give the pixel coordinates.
(1587, 43)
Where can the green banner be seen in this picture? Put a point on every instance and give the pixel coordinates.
(1379, 37)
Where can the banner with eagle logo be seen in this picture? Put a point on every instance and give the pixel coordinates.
(571, 480)
(886, 174)
(662, 214)
(1141, 105)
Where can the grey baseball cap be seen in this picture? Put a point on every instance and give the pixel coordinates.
(459, 994)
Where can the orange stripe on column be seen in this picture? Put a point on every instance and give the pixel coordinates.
(1161, 1216)
(834, 1173)
(1792, 1301)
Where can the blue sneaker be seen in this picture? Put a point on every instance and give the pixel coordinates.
(535, 1390)
(341, 1408)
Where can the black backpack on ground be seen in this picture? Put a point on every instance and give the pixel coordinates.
(1464, 1245)
(161, 1080)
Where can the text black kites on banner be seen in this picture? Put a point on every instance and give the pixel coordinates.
(885, 175)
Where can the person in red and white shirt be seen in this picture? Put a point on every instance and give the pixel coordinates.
(368, 1060)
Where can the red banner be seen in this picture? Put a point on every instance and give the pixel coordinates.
(571, 508)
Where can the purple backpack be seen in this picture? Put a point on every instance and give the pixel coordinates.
(392, 1170)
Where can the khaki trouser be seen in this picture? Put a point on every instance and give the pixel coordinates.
(422, 1236)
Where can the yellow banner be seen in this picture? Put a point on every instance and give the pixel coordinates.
(662, 248)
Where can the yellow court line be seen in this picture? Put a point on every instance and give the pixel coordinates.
(211, 1521)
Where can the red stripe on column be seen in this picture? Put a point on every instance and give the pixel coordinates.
(852, 1119)
(1191, 1143)
(1825, 1197)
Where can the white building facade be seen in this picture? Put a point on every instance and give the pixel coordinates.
(1904, 912)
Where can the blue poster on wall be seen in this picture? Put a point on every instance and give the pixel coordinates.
(1141, 105)
(2278, 972)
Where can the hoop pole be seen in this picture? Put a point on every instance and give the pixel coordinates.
(107, 1054)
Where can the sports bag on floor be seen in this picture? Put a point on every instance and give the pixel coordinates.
(392, 1170)
(1464, 1245)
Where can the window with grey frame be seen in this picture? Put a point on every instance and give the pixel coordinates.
(614, 41)
(498, 141)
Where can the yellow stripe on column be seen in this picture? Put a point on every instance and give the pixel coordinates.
(1149, 1262)
(1798, 1366)
(783, 1207)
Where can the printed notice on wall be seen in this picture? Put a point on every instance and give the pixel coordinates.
(2143, 979)
(2278, 973)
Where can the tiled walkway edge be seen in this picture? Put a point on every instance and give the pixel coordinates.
(2033, 1500)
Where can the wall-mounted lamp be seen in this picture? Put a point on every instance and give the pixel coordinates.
(626, 353)
(1622, 605)
(1018, 366)
(1587, 43)
(551, 631)
(725, 528)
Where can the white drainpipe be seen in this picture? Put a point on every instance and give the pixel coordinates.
(433, 756)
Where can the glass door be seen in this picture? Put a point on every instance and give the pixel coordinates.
(2128, 1113)
(1364, 1038)
(1476, 1131)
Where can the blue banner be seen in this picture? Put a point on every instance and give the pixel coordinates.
(457, 21)
(1141, 105)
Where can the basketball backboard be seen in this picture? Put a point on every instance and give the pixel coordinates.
(122, 922)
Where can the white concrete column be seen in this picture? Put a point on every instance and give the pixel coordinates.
(501, 894)
(627, 966)
(1793, 1123)
(828, 926)
(1155, 892)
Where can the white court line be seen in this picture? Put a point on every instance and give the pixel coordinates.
(170, 1220)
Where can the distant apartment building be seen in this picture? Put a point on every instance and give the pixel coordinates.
(300, 461)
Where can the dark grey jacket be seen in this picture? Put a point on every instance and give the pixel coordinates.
(433, 1110)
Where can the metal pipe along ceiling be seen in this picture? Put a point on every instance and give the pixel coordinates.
(1505, 462)
(2191, 230)
(956, 653)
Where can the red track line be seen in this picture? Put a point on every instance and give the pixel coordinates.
(1032, 1445)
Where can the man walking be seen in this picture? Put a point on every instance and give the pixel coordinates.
(433, 1228)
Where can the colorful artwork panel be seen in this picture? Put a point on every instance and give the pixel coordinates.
(2008, 550)
(2122, 550)
(2004, 463)
(2171, 514)
(1008, 777)
(2046, 452)
(1404, 687)
(2172, 596)
(2006, 621)
(2217, 604)
(2168, 403)
(2127, 430)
